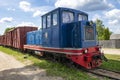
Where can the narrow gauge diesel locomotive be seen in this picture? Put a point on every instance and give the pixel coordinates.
(67, 33)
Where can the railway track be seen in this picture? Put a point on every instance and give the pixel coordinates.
(101, 73)
(114, 75)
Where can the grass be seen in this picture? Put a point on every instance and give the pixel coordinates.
(53, 69)
(113, 62)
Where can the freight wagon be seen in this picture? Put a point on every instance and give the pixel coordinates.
(16, 37)
(3, 40)
(9, 38)
(0, 40)
(19, 36)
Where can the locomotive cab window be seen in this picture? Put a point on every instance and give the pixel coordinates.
(44, 22)
(67, 17)
(89, 33)
(55, 19)
(82, 17)
(48, 21)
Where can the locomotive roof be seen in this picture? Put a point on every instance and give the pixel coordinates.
(66, 9)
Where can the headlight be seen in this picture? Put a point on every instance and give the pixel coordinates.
(86, 51)
(99, 49)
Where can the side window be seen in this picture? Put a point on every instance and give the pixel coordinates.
(89, 33)
(48, 20)
(82, 17)
(44, 22)
(55, 19)
(67, 17)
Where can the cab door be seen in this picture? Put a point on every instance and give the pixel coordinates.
(55, 29)
(46, 30)
(88, 34)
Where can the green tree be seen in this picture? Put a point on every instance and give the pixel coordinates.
(8, 29)
(103, 32)
(107, 34)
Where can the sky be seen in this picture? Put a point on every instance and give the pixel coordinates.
(28, 12)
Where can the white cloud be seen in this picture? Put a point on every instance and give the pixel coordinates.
(42, 10)
(96, 16)
(87, 5)
(37, 11)
(118, 1)
(113, 20)
(25, 6)
(48, 1)
(115, 29)
(11, 9)
(113, 16)
(26, 24)
(6, 20)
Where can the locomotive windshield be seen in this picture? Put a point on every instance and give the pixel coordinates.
(89, 33)
(67, 17)
(82, 17)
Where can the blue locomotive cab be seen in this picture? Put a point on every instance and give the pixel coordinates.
(77, 31)
(67, 28)
(50, 29)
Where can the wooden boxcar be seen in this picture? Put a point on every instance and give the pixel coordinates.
(3, 40)
(9, 38)
(0, 40)
(19, 36)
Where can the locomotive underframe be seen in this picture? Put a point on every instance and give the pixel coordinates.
(90, 59)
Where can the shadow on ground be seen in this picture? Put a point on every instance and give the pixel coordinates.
(26, 73)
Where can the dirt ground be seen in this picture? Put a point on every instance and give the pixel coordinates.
(11, 69)
(111, 51)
